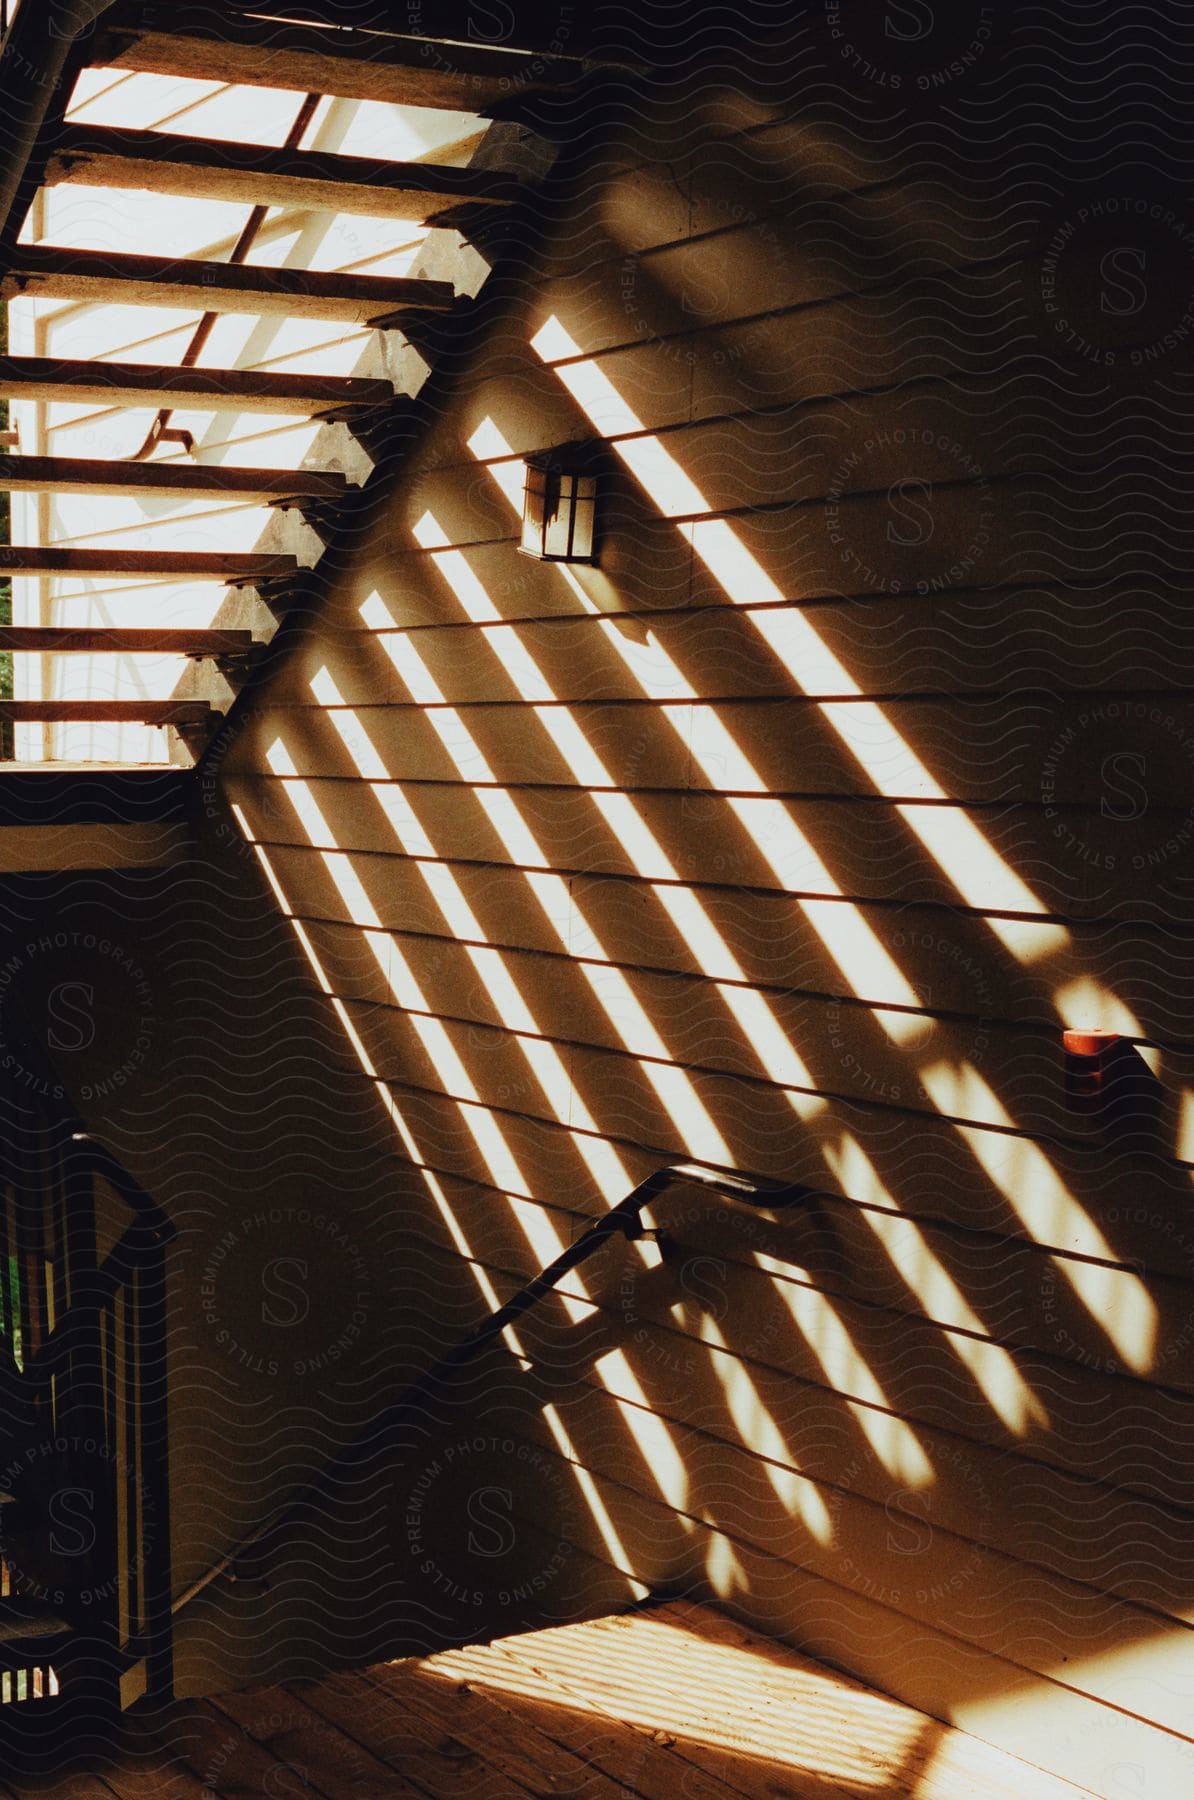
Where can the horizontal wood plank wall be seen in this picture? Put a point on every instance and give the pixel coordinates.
(789, 838)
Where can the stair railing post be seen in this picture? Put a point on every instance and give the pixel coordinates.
(153, 1462)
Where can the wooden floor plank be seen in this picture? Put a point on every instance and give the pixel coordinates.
(513, 1746)
(839, 1746)
(643, 1761)
(118, 278)
(713, 1754)
(226, 1760)
(960, 1763)
(183, 480)
(218, 390)
(925, 1760)
(259, 175)
(330, 1761)
(164, 1780)
(430, 1763)
(148, 1772)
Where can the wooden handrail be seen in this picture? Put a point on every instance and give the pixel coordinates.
(624, 1220)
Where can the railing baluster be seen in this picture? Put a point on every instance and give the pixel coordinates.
(54, 1257)
(7, 1296)
(108, 1390)
(127, 1463)
(21, 1179)
(154, 1475)
(80, 1202)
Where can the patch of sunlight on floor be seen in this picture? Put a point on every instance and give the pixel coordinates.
(653, 1675)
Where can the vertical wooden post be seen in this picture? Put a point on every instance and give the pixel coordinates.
(154, 1465)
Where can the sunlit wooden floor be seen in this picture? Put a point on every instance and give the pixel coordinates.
(671, 1703)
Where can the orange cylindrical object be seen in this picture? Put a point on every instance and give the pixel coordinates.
(1083, 1042)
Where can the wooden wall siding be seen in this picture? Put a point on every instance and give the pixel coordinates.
(789, 838)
